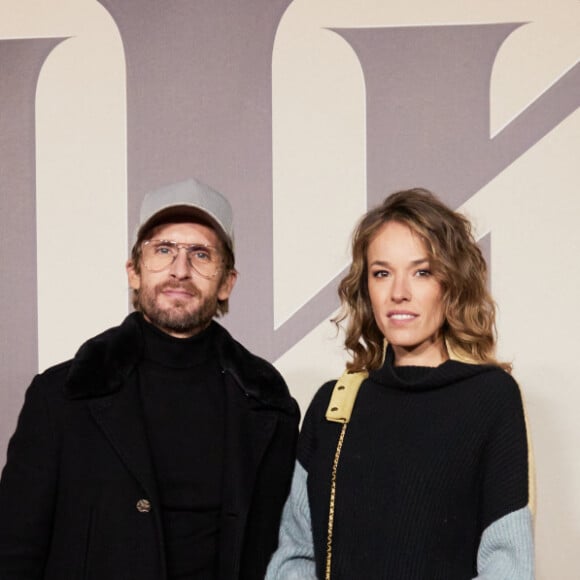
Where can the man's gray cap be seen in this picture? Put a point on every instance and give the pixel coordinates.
(187, 198)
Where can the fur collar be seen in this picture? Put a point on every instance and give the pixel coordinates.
(104, 363)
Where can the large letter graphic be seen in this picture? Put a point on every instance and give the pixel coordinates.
(428, 103)
(20, 63)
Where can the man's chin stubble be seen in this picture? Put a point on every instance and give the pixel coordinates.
(180, 321)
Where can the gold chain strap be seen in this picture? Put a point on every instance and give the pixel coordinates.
(339, 410)
(333, 502)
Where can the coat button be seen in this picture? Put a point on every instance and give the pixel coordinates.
(143, 506)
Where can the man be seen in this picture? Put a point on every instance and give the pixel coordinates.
(164, 449)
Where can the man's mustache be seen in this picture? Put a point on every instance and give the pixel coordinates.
(188, 287)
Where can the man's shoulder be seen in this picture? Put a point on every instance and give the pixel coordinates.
(51, 379)
(112, 337)
(258, 377)
(103, 362)
(230, 346)
(94, 354)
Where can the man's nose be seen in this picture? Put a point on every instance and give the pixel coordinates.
(180, 267)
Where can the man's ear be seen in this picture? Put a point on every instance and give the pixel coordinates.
(227, 285)
(132, 276)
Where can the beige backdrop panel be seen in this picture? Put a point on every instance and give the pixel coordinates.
(531, 211)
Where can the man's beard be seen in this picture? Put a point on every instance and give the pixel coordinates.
(177, 318)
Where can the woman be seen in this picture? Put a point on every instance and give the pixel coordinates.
(429, 476)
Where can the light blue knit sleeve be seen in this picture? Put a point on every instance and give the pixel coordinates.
(506, 550)
(294, 558)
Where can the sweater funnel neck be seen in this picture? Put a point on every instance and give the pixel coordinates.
(424, 378)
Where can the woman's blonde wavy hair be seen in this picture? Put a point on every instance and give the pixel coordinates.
(456, 261)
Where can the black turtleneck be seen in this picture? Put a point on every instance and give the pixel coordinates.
(183, 401)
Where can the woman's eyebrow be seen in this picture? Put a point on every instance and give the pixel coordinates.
(416, 262)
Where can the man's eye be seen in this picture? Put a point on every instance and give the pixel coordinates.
(163, 249)
(200, 254)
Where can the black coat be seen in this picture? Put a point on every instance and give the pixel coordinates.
(79, 463)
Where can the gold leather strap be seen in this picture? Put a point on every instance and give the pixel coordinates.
(343, 396)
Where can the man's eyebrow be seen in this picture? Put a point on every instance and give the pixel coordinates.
(191, 244)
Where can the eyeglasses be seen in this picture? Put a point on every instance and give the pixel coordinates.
(160, 254)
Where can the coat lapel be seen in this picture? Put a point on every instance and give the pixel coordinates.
(104, 372)
(120, 417)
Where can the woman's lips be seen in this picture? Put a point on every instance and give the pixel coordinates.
(401, 316)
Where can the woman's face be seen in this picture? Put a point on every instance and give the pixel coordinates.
(405, 296)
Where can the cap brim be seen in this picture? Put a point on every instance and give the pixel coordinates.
(180, 214)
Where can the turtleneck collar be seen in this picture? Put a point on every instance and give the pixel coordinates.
(421, 378)
(169, 351)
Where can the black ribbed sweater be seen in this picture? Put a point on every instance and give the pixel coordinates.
(431, 457)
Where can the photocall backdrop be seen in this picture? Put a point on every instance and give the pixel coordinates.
(304, 113)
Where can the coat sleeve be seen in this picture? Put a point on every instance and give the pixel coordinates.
(28, 490)
(294, 558)
(506, 550)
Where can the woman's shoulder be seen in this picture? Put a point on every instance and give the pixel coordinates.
(321, 398)
(494, 389)
(499, 380)
(314, 418)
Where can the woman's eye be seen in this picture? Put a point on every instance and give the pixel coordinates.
(424, 273)
(381, 273)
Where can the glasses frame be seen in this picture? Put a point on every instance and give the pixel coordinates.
(184, 246)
